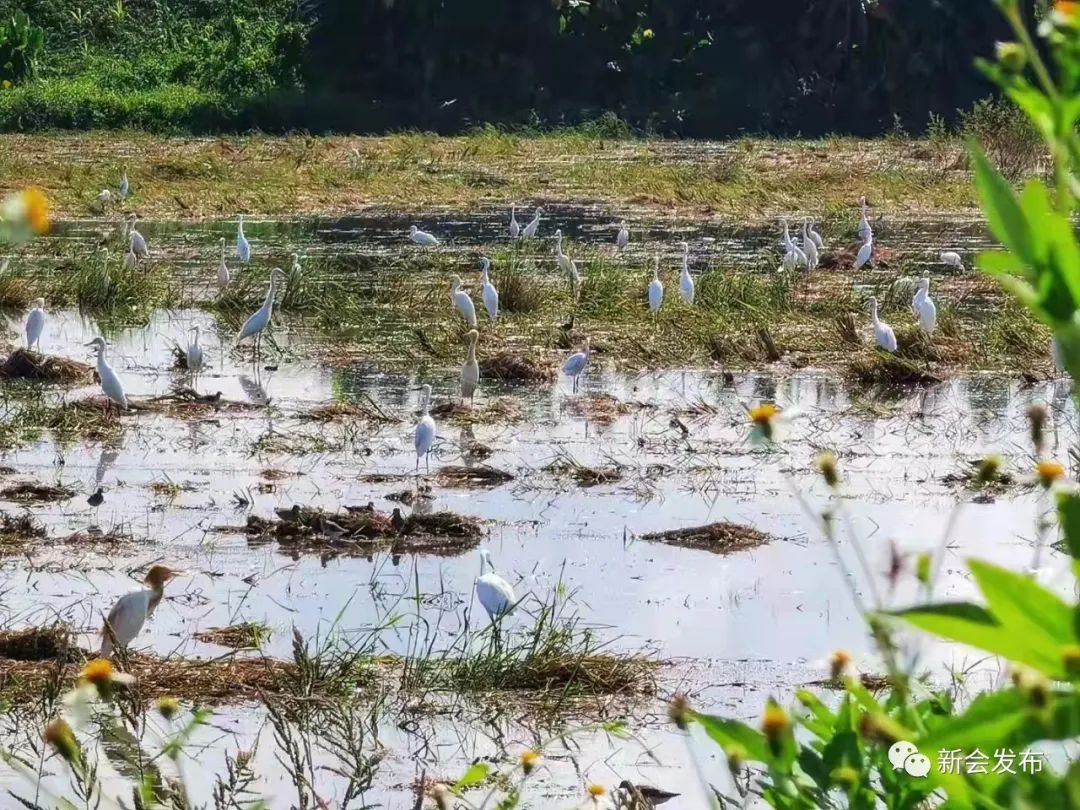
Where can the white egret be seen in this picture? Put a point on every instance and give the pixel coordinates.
(809, 247)
(470, 371)
(785, 239)
(566, 264)
(243, 246)
(686, 281)
(925, 308)
(575, 363)
(131, 611)
(883, 333)
(515, 228)
(656, 288)
(422, 237)
(800, 255)
(529, 231)
(138, 244)
(790, 262)
(125, 187)
(35, 324)
(495, 593)
(223, 277)
(130, 259)
(110, 382)
(462, 302)
(488, 291)
(864, 253)
(865, 231)
(261, 318)
(952, 259)
(622, 239)
(296, 272)
(194, 352)
(104, 198)
(424, 436)
(819, 243)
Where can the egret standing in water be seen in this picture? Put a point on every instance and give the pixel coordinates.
(495, 594)
(131, 611)
(194, 353)
(223, 278)
(566, 264)
(575, 364)
(529, 231)
(424, 436)
(952, 259)
(656, 288)
(470, 371)
(243, 247)
(864, 254)
(515, 228)
(686, 281)
(261, 318)
(487, 290)
(110, 383)
(35, 324)
(138, 244)
(462, 302)
(924, 307)
(622, 239)
(883, 333)
(422, 238)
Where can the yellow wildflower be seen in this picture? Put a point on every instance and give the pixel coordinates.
(1048, 472)
(596, 791)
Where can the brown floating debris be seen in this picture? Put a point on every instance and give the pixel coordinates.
(601, 408)
(476, 476)
(17, 531)
(719, 538)
(26, 365)
(246, 635)
(583, 475)
(884, 369)
(55, 642)
(29, 492)
(514, 367)
(502, 409)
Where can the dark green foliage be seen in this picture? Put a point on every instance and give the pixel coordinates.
(20, 47)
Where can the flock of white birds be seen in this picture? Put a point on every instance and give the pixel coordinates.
(495, 594)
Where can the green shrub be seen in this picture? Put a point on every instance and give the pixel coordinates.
(21, 45)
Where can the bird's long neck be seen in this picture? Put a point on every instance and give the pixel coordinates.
(223, 251)
(269, 300)
(156, 594)
(427, 404)
(873, 313)
(484, 276)
(558, 244)
(470, 356)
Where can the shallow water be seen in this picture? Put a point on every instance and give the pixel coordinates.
(739, 626)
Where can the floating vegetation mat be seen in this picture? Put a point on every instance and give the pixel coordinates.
(17, 532)
(26, 365)
(246, 635)
(28, 492)
(583, 475)
(362, 531)
(502, 409)
(514, 367)
(601, 408)
(719, 538)
(342, 411)
(884, 370)
(475, 477)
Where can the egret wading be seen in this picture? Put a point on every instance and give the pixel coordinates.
(883, 333)
(138, 244)
(422, 238)
(424, 435)
(110, 383)
(686, 281)
(530, 230)
(35, 324)
(243, 247)
(470, 371)
(462, 302)
(575, 364)
(656, 288)
(566, 264)
(194, 353)
(925, 309)
(223, 277)
(131, 611)
(257, 323)
(488, 291)
(622, 239)
(495, 594)
(515, 228)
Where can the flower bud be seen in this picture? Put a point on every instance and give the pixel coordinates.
(168, 707)
(1011, 56)
(679, 712)
(826, 463)
(529, 761)
(59, 735)
(1037, 419)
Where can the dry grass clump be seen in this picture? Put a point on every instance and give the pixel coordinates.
(583, 475)
(56, 642)
(847, 329)
(884, 369)
(595, 674)
(22, 364)
(601, 408)
(97, 538)
(502, 409)
(17, 531)
(514, 367)
(27, 492)
(719, 538)
(245, 635)
(475, 477)
(338, 411)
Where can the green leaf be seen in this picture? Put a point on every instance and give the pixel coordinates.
(975, 626)
(477, 773)
(1068, 504)
(1025, 607)
(1001, 262)
(1002, 208)
(726, 732)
